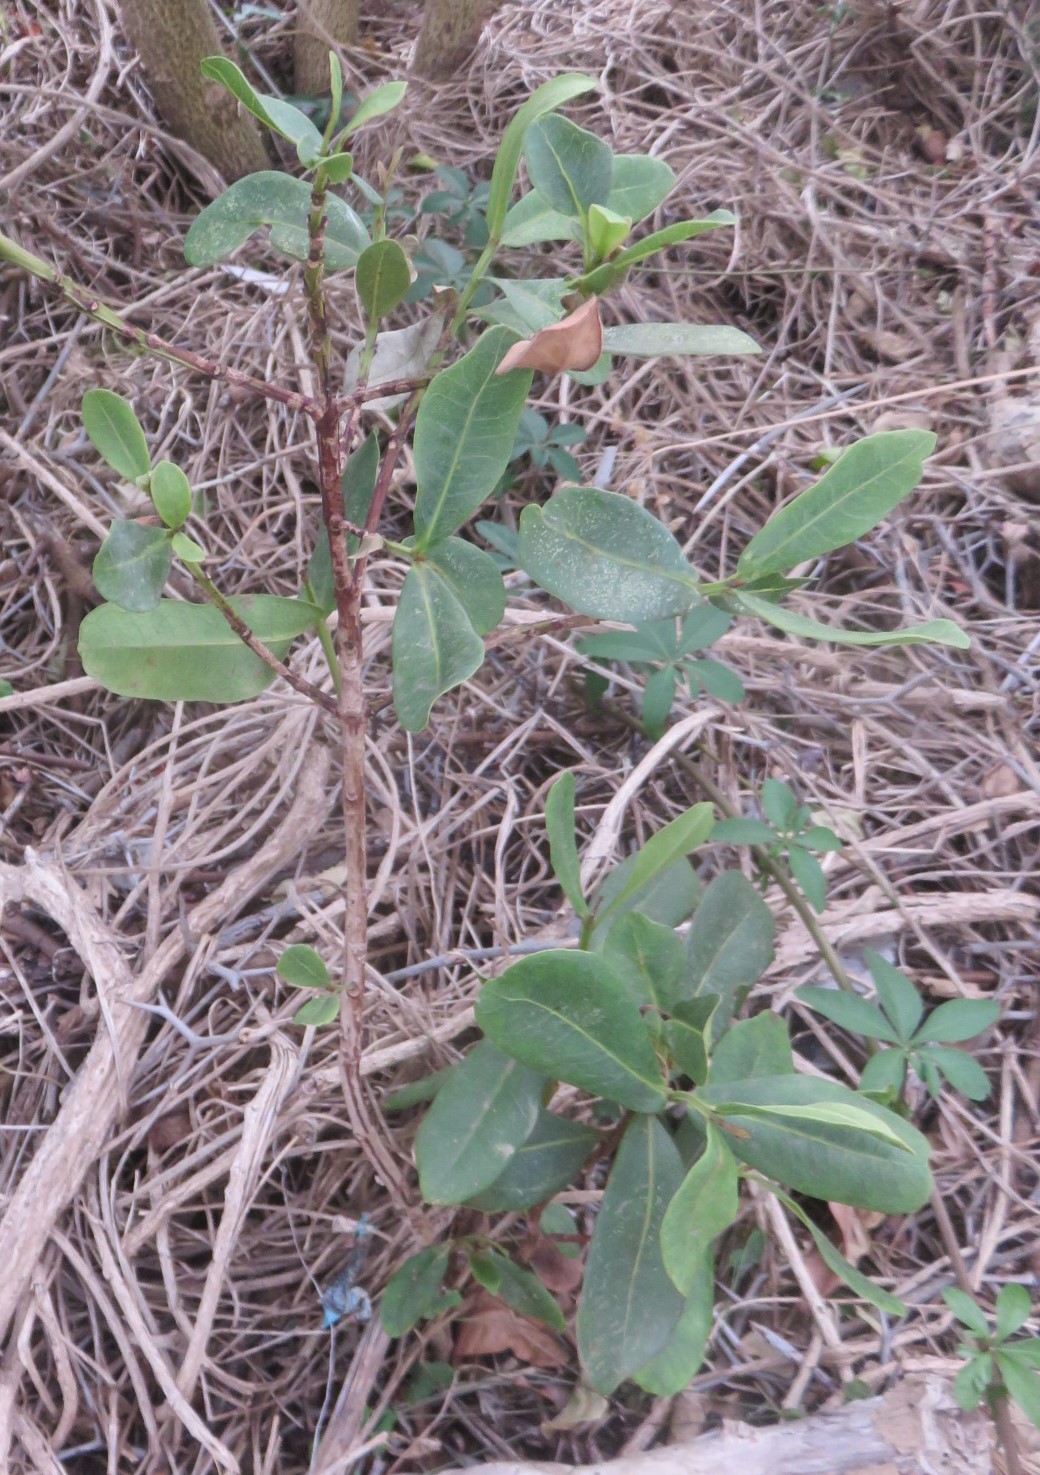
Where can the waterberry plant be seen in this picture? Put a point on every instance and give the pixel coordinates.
(626, 1052)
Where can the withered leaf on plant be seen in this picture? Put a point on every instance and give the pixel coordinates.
(575, 342)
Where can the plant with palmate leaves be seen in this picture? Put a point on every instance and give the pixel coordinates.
(998, 1365)
(635, 1017)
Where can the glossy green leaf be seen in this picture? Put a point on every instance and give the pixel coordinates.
(858, 491)
(604, 555)
(932, 632)
(1022, 1384)
(730, 942)
(380, 101)
(132, 565)
(849, 1011)
(187, 652)
(413, 1290)
(827, 1160)
(550, 1159)
(281, 117)
(303, 967)
(679, 1361)
(568, 166)
(964, 1073)
(283, 203)
(533, 220)
(752, 1047)
(563, 847)
(704, 1206)
(383, 277)
(544, 99)
(317, 1012)
(171, 494)
(434, 645)
(898, 997)
(520, 1289)
(960, 1019)
(629, 1306)
(473, 577)
(647, 957)
(115, 433)
(654, 340)
(638, 185)
(743, 832)
(856, 1281)
(485, 1110)
(568, 1016)
(464, 435)
(661, 851)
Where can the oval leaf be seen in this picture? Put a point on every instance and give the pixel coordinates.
(568, 166)
(283, 203)
(860, 489)
(382, 278)
(132, 565)
(380, 100)
(303, 967)
(662, 850)
(434, 646)
(520, 1289)
(638, 184)
(486, 1108)
(464, 435)
(703, 1207)
(647, 958)
(629, 1307)
(606, 556)
(680, 1359)
(474, 578)
(115, 433)
(318, 1012)
(545, 1163)
(730, 942)
(544, 99)
(413, 1290)
(567, 1015)
(171, 494)
(188, 652)
(281, 117)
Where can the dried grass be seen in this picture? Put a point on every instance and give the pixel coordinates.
(171, 1320)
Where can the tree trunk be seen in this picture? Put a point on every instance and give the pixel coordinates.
(322, 26)
(171, 38)
(449, 35)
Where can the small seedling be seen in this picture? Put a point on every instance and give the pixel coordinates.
(996, 1366)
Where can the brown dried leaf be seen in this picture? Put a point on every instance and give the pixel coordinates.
(855, 1226)
(487, 1327)
(560, 1272)
(575, 342)
(1000, 782)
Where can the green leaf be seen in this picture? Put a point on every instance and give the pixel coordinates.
(1026, 1351)
(568, 166)
(898, 997)
(338, 167)
(809, 876)
(604, 555)
(544, 99)
(1022, 1384)
(567, 1015)
(281, 117)
(963, 1072)
(849, 1011)
(382, 278)
(827, 1160)
(132, 565)
(752, 1047)
(674, 235)
(416, 1093)
(661, 851)
(718, 680)
(687, 1034)
(970, 1384)
(680, 1359)
(187, 652)
(858, 491)
(335, 86)
(629, 1307)
(832, 1113)
(730, 942)
(283, 203)
(960, 1019)
(885, 1071)
(669, 898)
(303, 967)
(658, 696)
(485, 1110)
(933, 632)
(967, 1310)
(1014, 1308)
(473, 577)
(652, 340)
(779, 803)
(434, 645)
(171, 494)
(186, 549)
(634, 646)
(647, 958)
(638, 185)
(704, 1206)
(521, 1290)
(413, 1290)
(819, 837)
(115, 433)
(606, 231)
(856, 1281)
(317, 1012)
(550, 1159)
(380, 100)
(359, 484)
(533, 220)
(563, 848)
(743, 832)
(529, 304)
(464, 435)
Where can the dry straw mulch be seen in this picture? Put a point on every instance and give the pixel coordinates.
(177, 1179)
